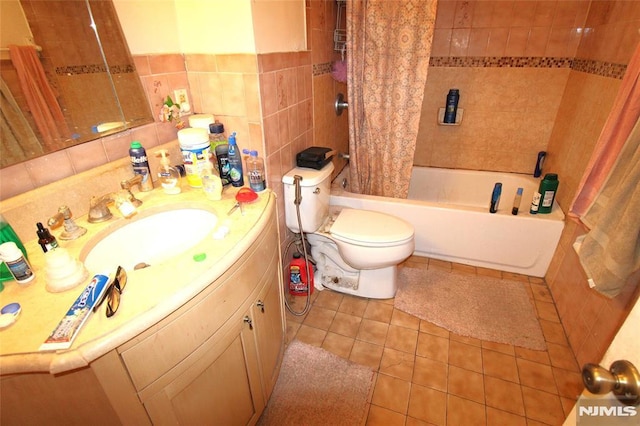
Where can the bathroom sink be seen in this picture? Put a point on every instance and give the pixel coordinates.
(148, 240)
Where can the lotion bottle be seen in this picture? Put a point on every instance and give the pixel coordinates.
(168, 175)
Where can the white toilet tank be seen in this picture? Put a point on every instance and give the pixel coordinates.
(315, 187)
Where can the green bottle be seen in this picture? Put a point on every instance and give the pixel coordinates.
(547, 191)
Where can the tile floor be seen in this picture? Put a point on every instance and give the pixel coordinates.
(427, 375)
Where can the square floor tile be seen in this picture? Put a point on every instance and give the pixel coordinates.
(391, 393)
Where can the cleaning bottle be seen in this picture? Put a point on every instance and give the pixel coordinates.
(298, 283)
(140, 165)
(7, 234)
(45, 239)
(168, 176)
(547, 191)
(255, 171)
(235, 162)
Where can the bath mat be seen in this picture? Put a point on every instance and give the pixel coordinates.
(316, 387)
(485, 308)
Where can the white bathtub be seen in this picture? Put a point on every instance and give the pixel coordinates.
(450, 212)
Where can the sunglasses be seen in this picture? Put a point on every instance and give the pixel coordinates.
(113, 292)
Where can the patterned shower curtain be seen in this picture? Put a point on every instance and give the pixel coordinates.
(388, 50)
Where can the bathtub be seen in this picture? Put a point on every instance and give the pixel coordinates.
(450, 212)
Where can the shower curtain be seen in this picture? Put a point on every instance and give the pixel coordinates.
(388, 50)
(41, 97)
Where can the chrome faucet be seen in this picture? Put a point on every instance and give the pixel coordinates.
(71, 229)
(99, 208)
(128, 184)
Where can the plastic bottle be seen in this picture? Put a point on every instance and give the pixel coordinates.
(211, 184)
(16, 262)
(255, 171)
(235, 162)
(495, 197)
(516, 202)
(547, 191)
(140, 165)
(45, 239)
(7, 234)
(168, 176)
(298, 283)
(451, 108)
(538, 169)
(222, 158)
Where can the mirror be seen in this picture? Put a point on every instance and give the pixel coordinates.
(85, 58)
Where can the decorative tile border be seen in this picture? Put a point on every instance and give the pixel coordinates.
(604, 69)
(94, 69)
(499, 62)
(321, 69)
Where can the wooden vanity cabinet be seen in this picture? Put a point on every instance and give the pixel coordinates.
(227, 379)
(213, 361)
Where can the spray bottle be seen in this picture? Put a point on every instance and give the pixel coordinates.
(168, 175)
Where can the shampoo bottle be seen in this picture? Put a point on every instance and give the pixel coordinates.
(235, 162)
(547, 191)
(495, 197)
(168, 176)
(451, 108)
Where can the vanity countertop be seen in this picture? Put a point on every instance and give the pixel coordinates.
(150, 295)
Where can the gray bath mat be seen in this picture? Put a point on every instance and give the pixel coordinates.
(485, 308)
(316, 387)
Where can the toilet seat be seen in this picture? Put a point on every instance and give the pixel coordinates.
(370, 228)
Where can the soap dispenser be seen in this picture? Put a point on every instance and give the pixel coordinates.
(168, 175)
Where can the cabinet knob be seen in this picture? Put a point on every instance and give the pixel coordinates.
(260, 304)
(248, 320)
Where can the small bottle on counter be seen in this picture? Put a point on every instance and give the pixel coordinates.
(255, 171)
(168, 175)
(45, 239)
(235, 162)
(16, 262)
(140, 164)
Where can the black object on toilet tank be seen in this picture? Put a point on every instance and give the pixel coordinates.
(314, 157)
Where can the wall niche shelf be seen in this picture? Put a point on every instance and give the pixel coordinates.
(459, 114)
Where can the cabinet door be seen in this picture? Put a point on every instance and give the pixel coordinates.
(269, 330)
(216, 390)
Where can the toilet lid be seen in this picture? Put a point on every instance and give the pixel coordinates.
(366, 226)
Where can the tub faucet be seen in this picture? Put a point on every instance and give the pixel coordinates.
(71, 229)
(128, 184)
(99, 208)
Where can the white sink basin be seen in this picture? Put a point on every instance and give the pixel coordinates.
(149, 240)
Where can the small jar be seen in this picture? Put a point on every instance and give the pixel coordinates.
(16, 262)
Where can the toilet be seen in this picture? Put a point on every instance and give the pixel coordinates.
(356, 251)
